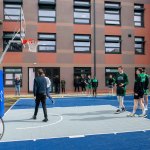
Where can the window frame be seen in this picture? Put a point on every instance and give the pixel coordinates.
(108, 73)
(111, 8)
(9, 39)
(50, 8)
(82, 6)
(44, 39)
(140, 42)
(141, 10)
(113, 41)
(18, 8)
(85, 72)
(82, 40)
(13, 73)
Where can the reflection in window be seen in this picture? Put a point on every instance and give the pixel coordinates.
(112, 13)
(113, 44)
(47, 14)
(10, 74)
(82, 43)
(12, 11)
(82, 12)
(139, 15)
(47, 42)
(139, 45)
(15, 46)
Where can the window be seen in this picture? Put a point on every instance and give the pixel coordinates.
(47, 13)
(47, 1)
(78, 71)
(82, 43)
(14, 47)
(82, 12)
(47, 42)
(139, 15)
(112, 13)
(12, 11)
(110, 71)
(10, 74)
(112, 44)
(139, 45)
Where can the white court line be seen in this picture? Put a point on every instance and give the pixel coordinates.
(12, 106)
(115, 133)
(76, 136)
(61, 118)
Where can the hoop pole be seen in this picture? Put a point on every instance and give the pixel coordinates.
(6, 48)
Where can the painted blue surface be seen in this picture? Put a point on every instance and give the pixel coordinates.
(1, 95)
(121, 141)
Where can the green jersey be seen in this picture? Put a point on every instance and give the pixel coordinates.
(121, 78)
(94, 83)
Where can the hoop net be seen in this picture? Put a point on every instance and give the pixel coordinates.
(32, 44)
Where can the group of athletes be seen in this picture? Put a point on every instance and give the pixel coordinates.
(141, 90)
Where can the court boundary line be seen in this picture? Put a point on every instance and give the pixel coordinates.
(84, 135)
(12, 106)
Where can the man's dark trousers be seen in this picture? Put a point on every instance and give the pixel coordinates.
(40, 98)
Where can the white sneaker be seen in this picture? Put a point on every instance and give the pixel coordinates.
(143, 115)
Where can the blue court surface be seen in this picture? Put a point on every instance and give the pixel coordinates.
(134, 140)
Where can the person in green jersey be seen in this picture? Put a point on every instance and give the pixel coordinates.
(138, 94)
(94, 86)
(145, 81)
(110, 83)
(89, 85)
(121, 81)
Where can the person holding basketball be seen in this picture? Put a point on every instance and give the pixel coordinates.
(121, 81)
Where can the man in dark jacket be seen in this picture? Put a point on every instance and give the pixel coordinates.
(39, 90)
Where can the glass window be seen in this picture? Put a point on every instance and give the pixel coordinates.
(12, 11)
(112, 13)
(139, 45)
(47, 42)
(113, 44)
(138, 15)
(10, 74)
(82, 43)
(78, 71)
(82, 13)
(47, 13)
(15, 46)
(53, 1)
(110, 71)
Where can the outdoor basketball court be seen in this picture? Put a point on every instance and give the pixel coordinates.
(73, 119)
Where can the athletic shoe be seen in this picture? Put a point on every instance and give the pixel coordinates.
(34, 117)
(143, 115)
(45, 120)
(118, 111)
(131, 115)
(123, 109)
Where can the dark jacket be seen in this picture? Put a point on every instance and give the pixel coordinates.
(17, 82)
(40, 85)
(138, 85)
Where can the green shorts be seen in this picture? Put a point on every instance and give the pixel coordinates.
(89, 87)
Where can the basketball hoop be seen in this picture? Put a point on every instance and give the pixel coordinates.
(32, 44)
